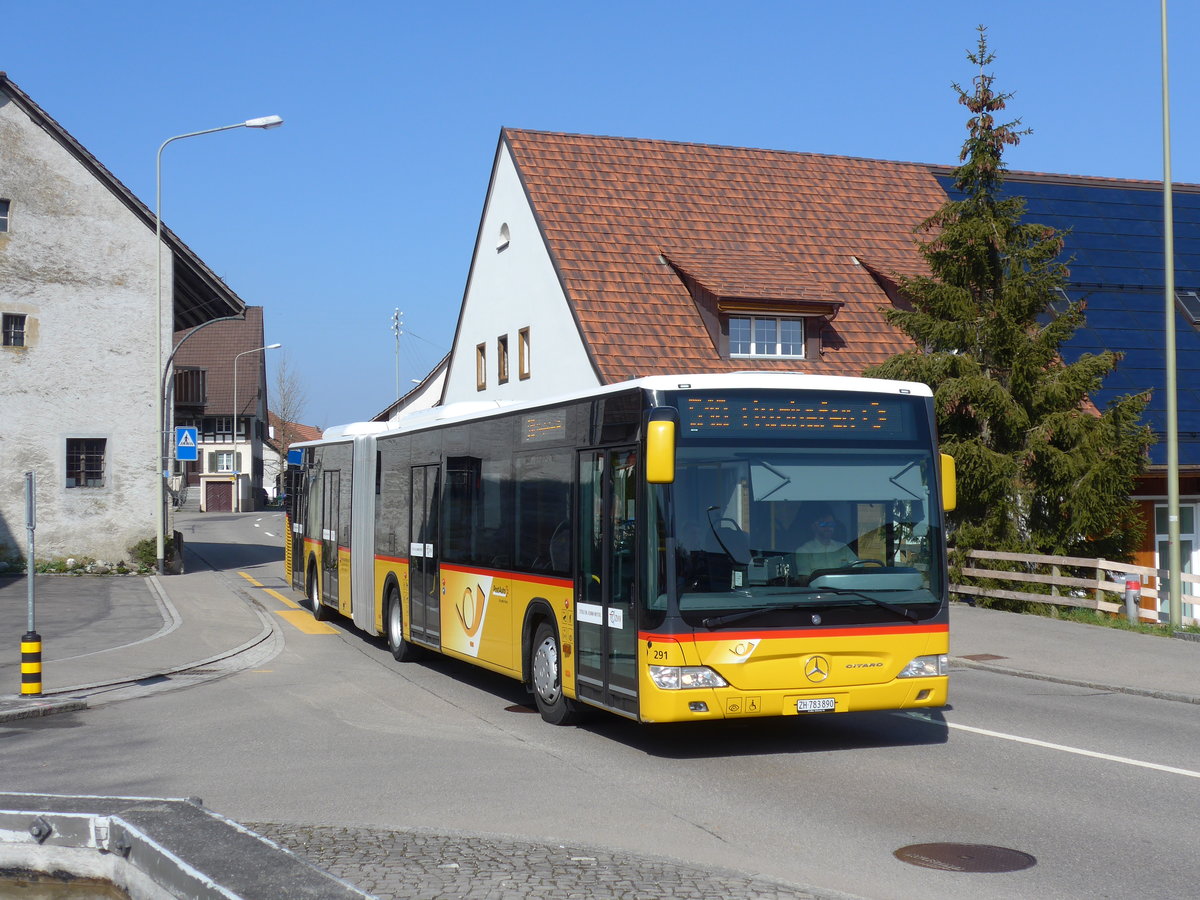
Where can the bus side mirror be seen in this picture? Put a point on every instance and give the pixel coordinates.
(660, 451)
(949, 483)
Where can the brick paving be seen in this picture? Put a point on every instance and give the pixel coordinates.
(423, 865)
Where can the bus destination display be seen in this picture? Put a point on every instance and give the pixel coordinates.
(544, 426)
(834, 416)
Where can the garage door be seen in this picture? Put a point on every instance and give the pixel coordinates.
(218, 496)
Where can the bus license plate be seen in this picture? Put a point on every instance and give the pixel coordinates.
(816, 704)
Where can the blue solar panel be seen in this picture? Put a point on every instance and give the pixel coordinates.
(1115, 239)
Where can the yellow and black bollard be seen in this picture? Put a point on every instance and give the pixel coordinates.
(31, 664)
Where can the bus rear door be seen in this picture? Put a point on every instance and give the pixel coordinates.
(331, 500)
(424, 595)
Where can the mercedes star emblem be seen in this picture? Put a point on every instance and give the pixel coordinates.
(816, 669)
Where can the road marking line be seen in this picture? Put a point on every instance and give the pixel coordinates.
(1078, 751)
(282, 599)
(303, 620)
(287, 601)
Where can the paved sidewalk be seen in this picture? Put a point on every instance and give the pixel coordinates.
(1087, 655)
(107, 637)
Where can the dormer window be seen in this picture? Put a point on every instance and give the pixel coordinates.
(773, 336)
(756, 305)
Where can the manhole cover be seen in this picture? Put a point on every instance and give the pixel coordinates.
(516, 707)
(965, 857)
(984, 657)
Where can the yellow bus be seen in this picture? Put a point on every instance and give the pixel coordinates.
(667, 549)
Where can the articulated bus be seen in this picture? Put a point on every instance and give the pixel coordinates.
(668, 549)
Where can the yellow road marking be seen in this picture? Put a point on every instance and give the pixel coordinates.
(288, 601)
(303, 620)
(297, 616)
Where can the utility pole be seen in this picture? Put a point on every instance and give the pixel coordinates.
(397, 330)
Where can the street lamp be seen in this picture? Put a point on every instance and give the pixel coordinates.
(160, 465)
(237, 481)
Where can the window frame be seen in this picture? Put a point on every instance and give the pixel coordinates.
(523, 361)
(754, 352)
(80, 455)
(502, 359)
(481, 367)
(12, 325)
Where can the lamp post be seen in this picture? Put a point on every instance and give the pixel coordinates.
(161, 463)
(237, 481)
(1174, 554)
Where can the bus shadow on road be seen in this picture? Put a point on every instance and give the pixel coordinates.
(792, 734)
(713, 739)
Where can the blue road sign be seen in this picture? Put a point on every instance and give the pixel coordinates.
(186, 445)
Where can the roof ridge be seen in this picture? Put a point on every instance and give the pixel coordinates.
(509, 130)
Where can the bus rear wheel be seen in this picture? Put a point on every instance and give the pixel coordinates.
(394, 622)
(545, 665)
(319, 610)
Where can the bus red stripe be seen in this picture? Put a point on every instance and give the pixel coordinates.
(391, 559)
(808, 633)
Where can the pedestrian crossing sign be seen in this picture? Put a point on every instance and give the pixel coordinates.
(186, 449)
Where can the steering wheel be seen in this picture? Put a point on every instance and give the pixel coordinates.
(863, 563)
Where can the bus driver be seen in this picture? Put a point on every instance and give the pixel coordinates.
(823, 550)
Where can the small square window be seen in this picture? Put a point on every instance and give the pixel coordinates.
(523, 353)
(13, 326)
(3, 216)
(224, 459)
(502, 359)
(85, 462)
(480, 366)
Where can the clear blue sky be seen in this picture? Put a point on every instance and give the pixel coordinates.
(369, 197)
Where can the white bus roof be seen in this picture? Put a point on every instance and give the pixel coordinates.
(774, 381)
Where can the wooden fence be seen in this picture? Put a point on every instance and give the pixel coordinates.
(1103, 592)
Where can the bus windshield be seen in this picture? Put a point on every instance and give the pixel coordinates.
(789, 535)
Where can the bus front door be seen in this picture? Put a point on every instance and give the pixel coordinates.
(331, 500)
(424, 596)
(607, 583)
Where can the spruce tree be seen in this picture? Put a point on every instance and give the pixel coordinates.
(1040, 469)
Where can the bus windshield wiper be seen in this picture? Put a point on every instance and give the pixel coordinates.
(717, 621)
(902, 611)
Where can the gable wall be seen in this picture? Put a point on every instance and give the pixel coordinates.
(80, 265)
(511, 289)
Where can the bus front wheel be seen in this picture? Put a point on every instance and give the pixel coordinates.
(401, 649)
(546, 668)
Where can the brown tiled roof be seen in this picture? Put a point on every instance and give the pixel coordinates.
(296, 431)
(213, 348)
(760, 223)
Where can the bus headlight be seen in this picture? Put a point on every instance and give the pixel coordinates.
(674, 678)
(926, 667)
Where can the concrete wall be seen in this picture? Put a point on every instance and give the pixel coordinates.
(80, 265)
(512, 286)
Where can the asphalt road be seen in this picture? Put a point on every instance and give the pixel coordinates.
(1102, 789)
